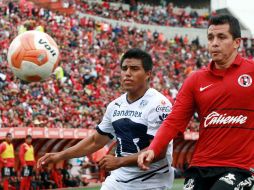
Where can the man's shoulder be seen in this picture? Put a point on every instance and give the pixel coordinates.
(118, 101)
(154, 93)
(195, 76)
(119, 98)
(248, 61)
(3, 143)
(155, 97)
(26, 145)
(201, 71)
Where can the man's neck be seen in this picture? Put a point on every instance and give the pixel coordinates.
(133, 96)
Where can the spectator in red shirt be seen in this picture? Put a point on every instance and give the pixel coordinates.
(7, 160)
(26, 156)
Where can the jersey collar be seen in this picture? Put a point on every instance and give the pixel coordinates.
(221, 72)
(136, 99)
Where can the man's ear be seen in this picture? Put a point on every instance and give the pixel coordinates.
(149, 74)
(237, 43)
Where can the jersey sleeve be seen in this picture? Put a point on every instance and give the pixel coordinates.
(105, 127)
(178, 119)
(160, 110)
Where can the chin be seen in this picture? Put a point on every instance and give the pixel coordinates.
(128, 89)
(216, 59)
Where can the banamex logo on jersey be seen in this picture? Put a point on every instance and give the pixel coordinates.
(129, 113)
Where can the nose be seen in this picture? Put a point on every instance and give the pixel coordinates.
(128, 72)
(215, 42)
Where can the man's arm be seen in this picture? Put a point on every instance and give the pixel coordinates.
(2, 149)
(182, 111)
(110, 162)
(85, 147)
(22, 155)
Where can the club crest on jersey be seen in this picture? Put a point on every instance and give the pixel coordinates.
(143, 103)
(245, 80)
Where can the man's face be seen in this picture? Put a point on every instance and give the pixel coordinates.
(28, 140)
(221, 44)
(133, 76)
(8, 138)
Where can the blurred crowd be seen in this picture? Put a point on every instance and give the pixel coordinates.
(147, 14)
(87, 78)
(60, 177)
(20, 172)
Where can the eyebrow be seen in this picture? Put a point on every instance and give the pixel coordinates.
(131, 65)
(211, 34)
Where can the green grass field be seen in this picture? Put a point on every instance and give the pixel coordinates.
(178, 185)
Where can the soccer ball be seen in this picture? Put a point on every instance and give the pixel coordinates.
(33, 56)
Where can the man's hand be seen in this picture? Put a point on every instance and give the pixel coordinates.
(110, 163)
(145, 159)
(48, 158)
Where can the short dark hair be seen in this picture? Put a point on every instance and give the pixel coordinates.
(29, 136)
(136, 53)
(234, 26)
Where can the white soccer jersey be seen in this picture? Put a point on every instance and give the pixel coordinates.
(134, 125)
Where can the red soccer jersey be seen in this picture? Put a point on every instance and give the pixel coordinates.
(22, 151)
(224, 101)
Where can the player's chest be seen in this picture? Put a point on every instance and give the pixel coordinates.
(135, 111)
(233, 90)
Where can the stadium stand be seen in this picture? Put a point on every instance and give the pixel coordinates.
(87, 78)
(35, 103)
(145, 14)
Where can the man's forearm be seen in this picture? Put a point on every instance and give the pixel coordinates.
(128, 160)
(132, 159)
(76, 152)
(69, 153)
(85, 147)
